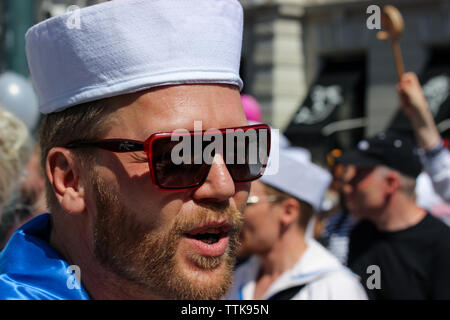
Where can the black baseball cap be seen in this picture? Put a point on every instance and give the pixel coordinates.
(386, 148)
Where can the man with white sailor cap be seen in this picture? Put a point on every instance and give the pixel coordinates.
(126, 220)
(286, 264)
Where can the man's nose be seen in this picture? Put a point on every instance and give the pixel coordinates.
(219, 185)
(347, 188)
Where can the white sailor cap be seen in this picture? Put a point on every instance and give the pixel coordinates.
(124, 46)
(298, 176)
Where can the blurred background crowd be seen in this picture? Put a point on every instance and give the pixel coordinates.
(314, 70)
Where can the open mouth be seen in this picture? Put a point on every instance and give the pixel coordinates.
(210, 236)
(210, 240)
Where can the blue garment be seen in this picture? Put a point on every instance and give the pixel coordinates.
(30, 269)
(337, 234)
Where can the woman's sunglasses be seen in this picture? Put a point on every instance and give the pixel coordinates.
(182, 159)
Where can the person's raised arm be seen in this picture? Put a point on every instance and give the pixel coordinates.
(415, 106)
(436, 159)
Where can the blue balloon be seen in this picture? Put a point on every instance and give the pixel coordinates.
(18, 97)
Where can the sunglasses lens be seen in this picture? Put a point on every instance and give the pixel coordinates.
(170, 171)
(250, 154)
(177, 165)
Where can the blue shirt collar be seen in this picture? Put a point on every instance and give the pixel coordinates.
(31, 269)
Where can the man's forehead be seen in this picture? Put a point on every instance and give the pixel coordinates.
(190, 107)
(361, 172)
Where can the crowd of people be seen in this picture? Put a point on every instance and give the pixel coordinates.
(100, 191)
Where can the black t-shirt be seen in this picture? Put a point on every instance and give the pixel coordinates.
(414, 263)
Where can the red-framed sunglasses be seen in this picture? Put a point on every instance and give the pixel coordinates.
(176, 161)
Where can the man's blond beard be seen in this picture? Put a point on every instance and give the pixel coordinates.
(126, 247)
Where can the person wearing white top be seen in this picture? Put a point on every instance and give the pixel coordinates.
(285, 264)
(435, 157)
(317, 275)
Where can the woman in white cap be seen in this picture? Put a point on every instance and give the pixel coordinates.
(286, 264)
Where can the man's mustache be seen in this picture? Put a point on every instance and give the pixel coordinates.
(205, 216)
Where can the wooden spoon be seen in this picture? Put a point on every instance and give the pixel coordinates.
(392, 23)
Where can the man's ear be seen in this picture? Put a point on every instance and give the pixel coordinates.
(290, 212)
(63, 172)
(392, 181)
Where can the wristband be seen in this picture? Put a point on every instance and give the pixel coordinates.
(435, 150)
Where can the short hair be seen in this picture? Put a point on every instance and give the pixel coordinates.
(407, 184)
(306, 210)
(15, 151)
(82, 122)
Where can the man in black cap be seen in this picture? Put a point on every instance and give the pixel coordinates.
(398, 249)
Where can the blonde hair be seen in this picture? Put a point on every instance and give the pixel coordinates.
(82, 122)
(407, 184)
(15, 151)
(306, 210)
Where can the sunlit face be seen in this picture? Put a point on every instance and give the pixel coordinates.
(261, 223)
(364, 192)
(176, 244)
